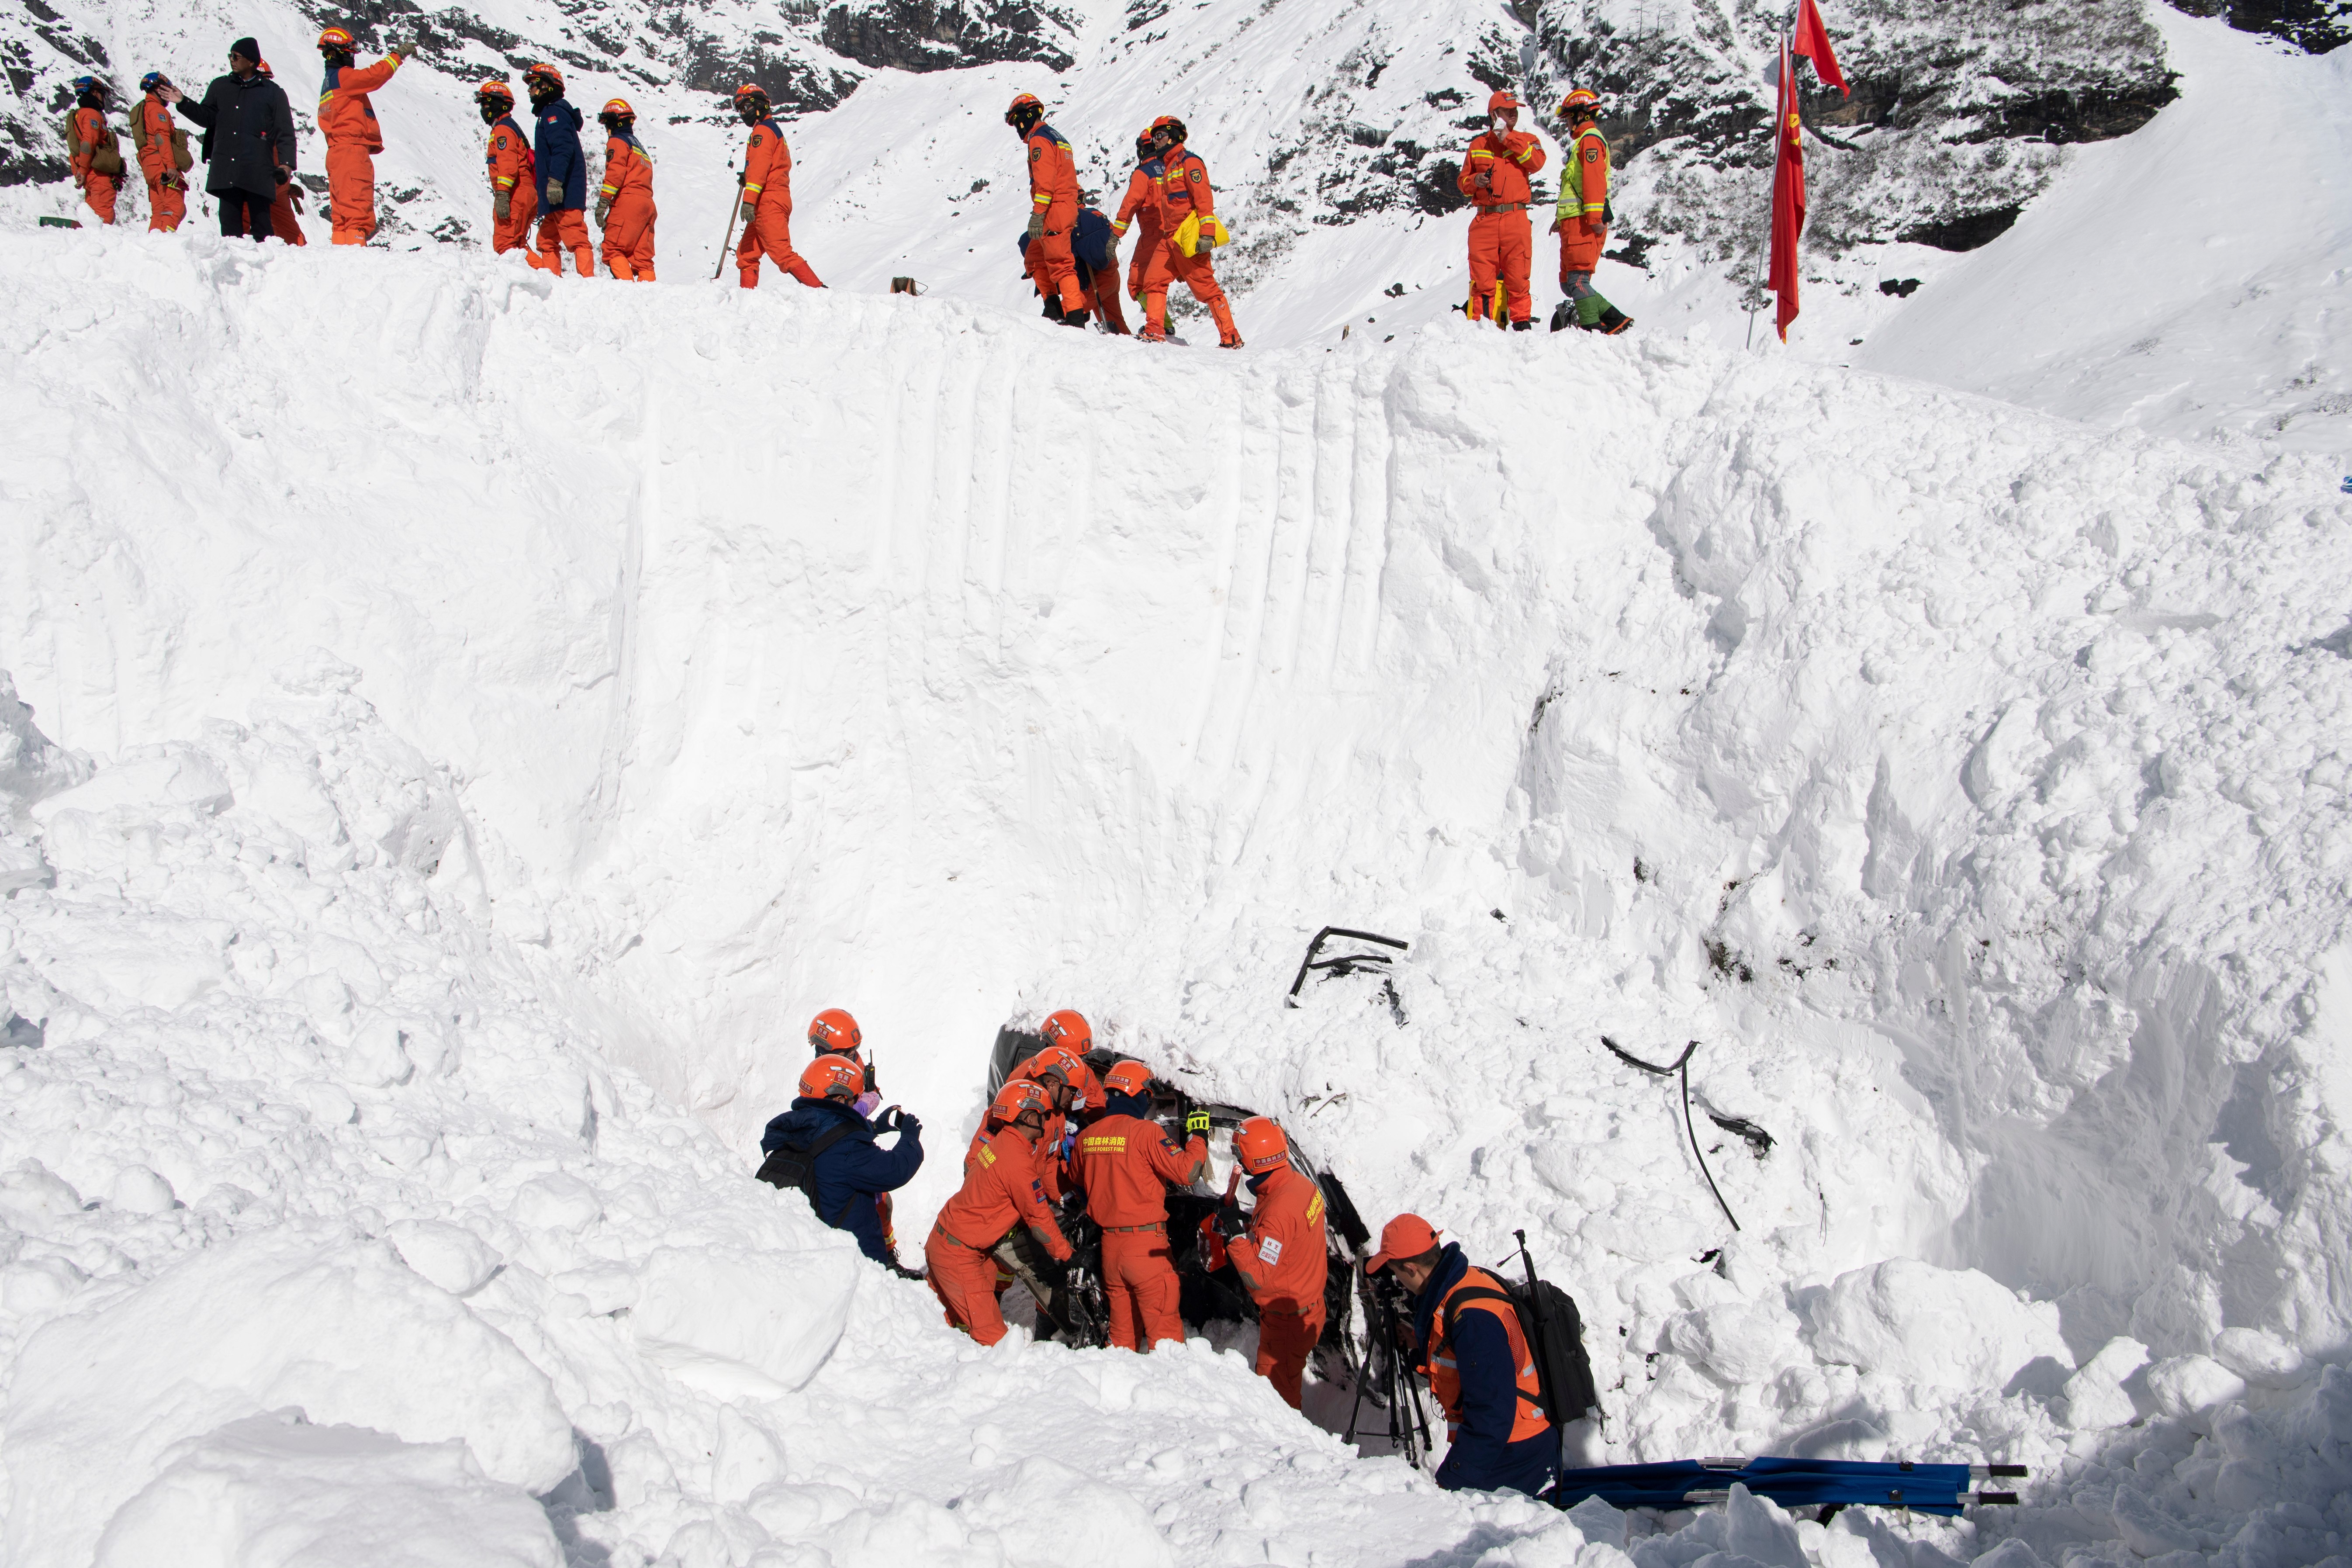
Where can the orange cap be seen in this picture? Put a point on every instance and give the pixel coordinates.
(1017, 1098)
(1259, 1145)
(1128, 1077)
(834, 1031)
(1502, 99)
(831, 1078)
(1069, 1029)
(1407, 1236)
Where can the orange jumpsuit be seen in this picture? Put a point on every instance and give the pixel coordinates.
(1053, 197)
(1583, 209)
(1143, 207)
(629, 224)
(354, 136)
(1125, 1165)
(768, 182)
(514, 177)
(1184, 189)
(1000, 1188)
(167, 188)
(282, 221)
(98, 191)
(1502, 242)
(1282, 1259)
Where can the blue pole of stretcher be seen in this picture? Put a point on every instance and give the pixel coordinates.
(1792, 1483)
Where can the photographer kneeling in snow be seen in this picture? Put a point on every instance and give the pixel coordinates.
(851, 1173)
(1467, 1337)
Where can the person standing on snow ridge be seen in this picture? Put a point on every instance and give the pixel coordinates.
(1000, 1190)
(1280, 1252)
(1144, 208)
(288, 202)
(767, 195)
(514, 185)
(89, 147)
(1189, 216)
(1477, 1361)
(562, 172)
(1126, 1164)
(624, 202)
(347, 119)
(1094, 253)
(854, 1176)
(1502, 242)
(1053, 207)
(248, 146)
(161, 146)
(1581, 218)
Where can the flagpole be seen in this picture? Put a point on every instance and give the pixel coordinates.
(1764, 257)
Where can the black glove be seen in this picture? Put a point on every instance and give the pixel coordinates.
(908, 1124)
(1231, 1222)
(282, 175)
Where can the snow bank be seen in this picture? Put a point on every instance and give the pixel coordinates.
(604, 681)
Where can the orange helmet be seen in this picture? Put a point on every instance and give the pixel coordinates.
(261, 67)
(495, 88)
(541, 71)
(1069, 1029)
(1128, 1077)
(1026, 111)
(336, 38)
(619, 109)
(1017, 1100)
(834, 1031)
(831, 1078)
(1582, 97)
(750, 89)
(1502, 99)
(1260, 1146)
(1063, 1065)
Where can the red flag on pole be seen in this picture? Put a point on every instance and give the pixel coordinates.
(1813, 43)
(1787, 195)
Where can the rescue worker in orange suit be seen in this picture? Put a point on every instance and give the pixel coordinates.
(288, 202)
(1580, 218)
(152, 135)
(1126, 1164)
(514, 183)
(1142, 207)
(1467, 1337)
(88, 141)
(1000, 1192)
(1502, 242)
(1188, 207)
(561, 170)
(1053, 207)
(624, 202)
(1278, 1251)
(767, 195)
(347, 119)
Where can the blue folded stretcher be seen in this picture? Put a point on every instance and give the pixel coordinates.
(1792, 1483)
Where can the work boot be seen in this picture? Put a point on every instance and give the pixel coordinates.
(1073, 317)
(1151, 335)
(1613, 320)
(1053, 311)
(1229, 340)
(1522, 325)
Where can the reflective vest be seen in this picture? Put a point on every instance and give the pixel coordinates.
(1445, 1377)
(1584, 183)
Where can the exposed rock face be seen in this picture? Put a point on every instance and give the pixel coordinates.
(2315, 25)
(1956, 114)
(940, 35)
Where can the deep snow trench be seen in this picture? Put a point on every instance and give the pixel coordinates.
(476, 720)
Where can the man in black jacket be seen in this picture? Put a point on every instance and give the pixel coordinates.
(248, 140)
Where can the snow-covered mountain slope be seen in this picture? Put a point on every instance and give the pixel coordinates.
(1334, 131)
(512, 724)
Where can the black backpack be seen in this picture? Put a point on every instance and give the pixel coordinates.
(794, 1169)
(1554, 1331)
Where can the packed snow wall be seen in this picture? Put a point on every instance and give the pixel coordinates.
(1966, 782)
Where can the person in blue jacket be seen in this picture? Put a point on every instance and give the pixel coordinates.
(562, 173)
(852, 1171)
(1466, 1335)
